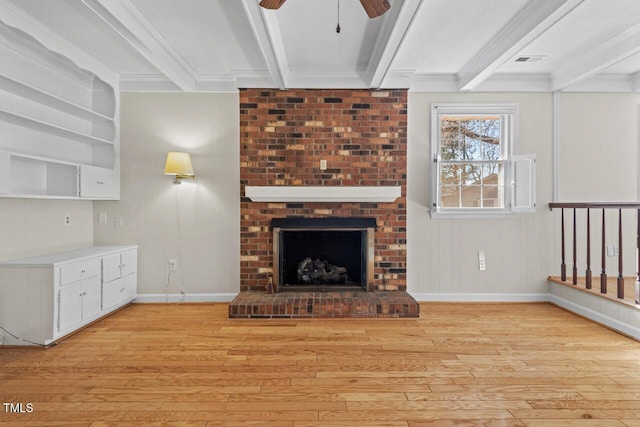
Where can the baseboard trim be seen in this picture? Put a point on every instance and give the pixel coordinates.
(610, 322)
(174, 298)
(467, 297)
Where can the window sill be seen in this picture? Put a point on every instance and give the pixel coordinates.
(472, 215)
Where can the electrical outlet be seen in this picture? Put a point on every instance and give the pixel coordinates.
(173, 264)
(323, 165)
(67, 220)
(482, 264)
(102, 218)
(612, 250)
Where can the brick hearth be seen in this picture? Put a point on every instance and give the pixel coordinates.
(323, 305)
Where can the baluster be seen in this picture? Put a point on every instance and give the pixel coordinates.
(620, 276)
(575, 250)
(588, 272)
(603, 273)
(563, 265)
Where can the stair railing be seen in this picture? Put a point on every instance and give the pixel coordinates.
(605, 207)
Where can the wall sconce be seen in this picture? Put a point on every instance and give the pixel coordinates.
(179, 165)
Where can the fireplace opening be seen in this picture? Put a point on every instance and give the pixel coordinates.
(322, 254)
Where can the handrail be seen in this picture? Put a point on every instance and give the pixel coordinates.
(595, 205)
(619, 206)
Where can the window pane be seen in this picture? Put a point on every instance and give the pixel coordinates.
(492, 196)
(451, 148)
(492, 173)
(450, 197)
(470, 137)
(450, 174)
(471, 196)
(472, 174)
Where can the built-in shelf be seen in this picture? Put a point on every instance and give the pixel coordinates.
(50, 128)
(322, 194)
(60, 123)
(50, 100)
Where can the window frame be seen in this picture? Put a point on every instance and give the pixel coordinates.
(508, 114)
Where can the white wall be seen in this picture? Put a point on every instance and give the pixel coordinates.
(30, 227)
(197, 223)
(598, 147)
(443, 253)
(598, 162)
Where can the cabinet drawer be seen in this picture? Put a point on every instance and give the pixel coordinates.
(119, 291)
(80, 270)
(110, 267)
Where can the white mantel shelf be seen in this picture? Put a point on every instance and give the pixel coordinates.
(321, 194)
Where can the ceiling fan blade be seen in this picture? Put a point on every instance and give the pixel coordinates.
(272, 4)
(375, 8)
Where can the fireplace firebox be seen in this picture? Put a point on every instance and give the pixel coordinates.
(323, 254)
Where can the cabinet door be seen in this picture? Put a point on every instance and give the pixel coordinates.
(70, 306)
(97, 182)
(111, 267)
(129, 262)
(130, 287)
(78, 302)
(112, 293)
(92, 300)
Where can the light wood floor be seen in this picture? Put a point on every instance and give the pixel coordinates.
(458, 364)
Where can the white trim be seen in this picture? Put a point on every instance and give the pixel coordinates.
(526, 26)
(478, 297)
(133, 27)
(555, 146)
(321, 194)
(389, 42)
(177, 298)
(602, 319)
(508, 123)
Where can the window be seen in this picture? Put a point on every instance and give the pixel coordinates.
(474, 171)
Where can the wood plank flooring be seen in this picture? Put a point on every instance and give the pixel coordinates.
(458, 364)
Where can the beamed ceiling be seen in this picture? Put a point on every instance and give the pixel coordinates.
(430, 45)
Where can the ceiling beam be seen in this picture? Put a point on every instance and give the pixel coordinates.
(529, 23)
(127, 21)
(396, 25)
(266, 30)
(594, 61)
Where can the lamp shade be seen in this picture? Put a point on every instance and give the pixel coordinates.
(178, 164)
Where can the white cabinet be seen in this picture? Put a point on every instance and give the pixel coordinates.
(78, 302)
(44, 298)
(119, 278)
(97, 182)
(55, 119)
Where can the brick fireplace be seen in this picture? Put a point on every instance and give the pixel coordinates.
(362, 137)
